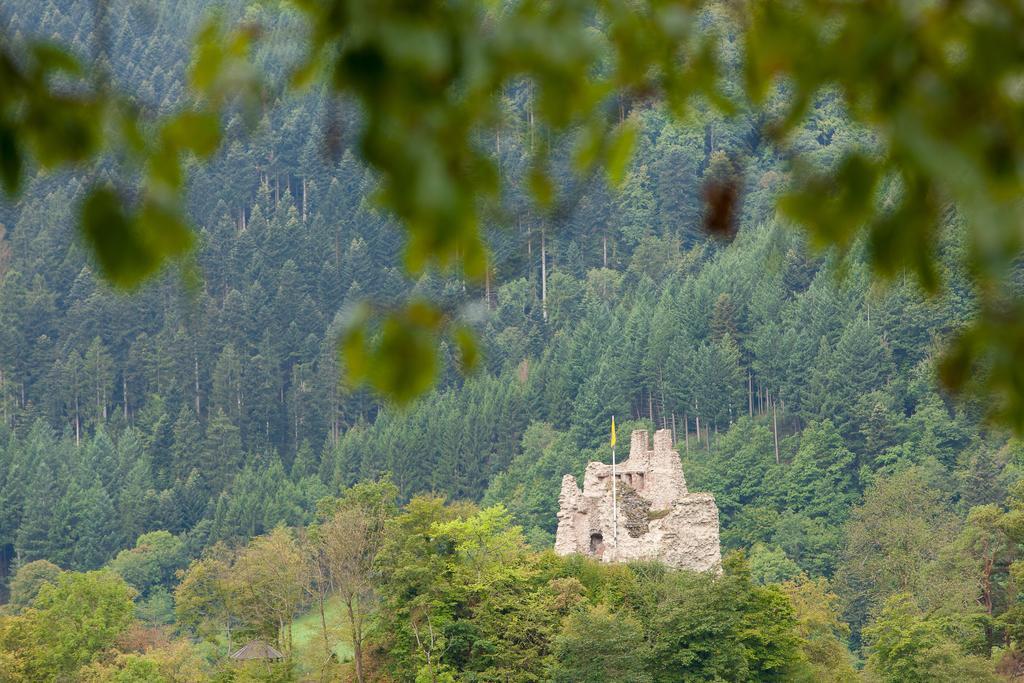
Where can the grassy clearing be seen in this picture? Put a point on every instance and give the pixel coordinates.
(307, 645)
(308, 639)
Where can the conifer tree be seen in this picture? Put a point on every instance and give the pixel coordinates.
(73, 381)
(599, 398)
(718, 382)
(99, 369)
(226, 395)
(34, 540)
(100, 457)
(15, 474)
(305, 463)
(634, 206)
(99, 533)
(677, 159)
(222, 453)
(65, 526)
(820, 397)
(822, 476)
(137, 500)
(186, 451)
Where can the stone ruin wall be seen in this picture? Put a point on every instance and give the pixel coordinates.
(659, 519)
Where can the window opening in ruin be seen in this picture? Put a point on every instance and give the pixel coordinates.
(596, 545)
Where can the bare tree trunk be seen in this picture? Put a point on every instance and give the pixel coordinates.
(750, 394)
(543, 274)
(531, 120)
(78, 423)
(986, 583)
(650, 406)
(196, 358)
(334, 415)
(673, 428)
(303, 199)
(124, 396)
(487, 286)
(323, 619)
(686, 431)
(604, 240)
(357, 640)
(775, 430)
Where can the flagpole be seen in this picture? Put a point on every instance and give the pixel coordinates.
(615, 500)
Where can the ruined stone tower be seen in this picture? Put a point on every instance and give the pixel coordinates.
(658, 518)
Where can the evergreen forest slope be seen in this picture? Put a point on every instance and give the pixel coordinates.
(208, 405)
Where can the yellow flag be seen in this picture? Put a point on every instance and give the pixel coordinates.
(613, 431)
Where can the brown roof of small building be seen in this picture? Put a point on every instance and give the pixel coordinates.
(256, 649)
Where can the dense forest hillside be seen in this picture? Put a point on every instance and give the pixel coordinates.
(238, 373)
(206, 409)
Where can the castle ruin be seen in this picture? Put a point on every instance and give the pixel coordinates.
(658, 518)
